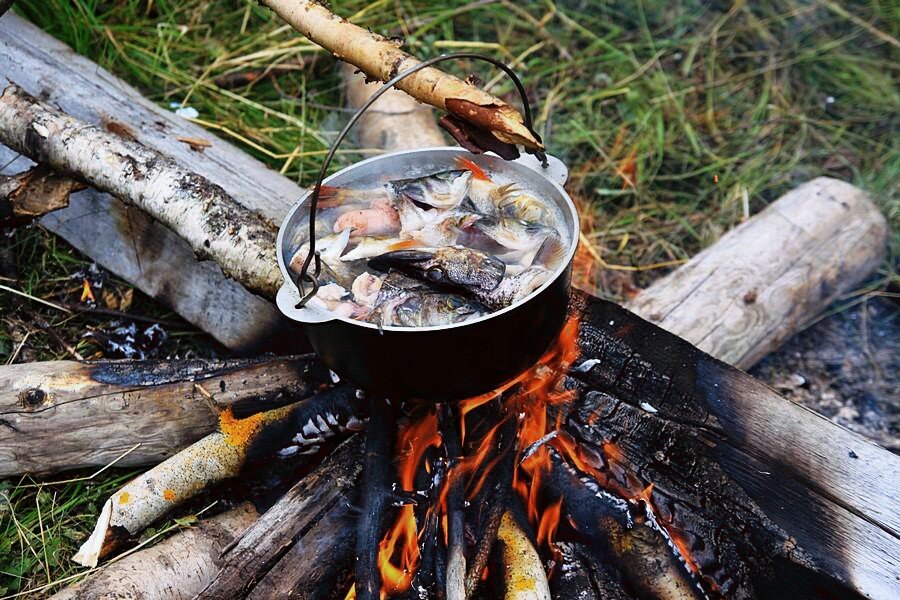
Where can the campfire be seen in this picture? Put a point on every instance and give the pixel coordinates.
(624, 462)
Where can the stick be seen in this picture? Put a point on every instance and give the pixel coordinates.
(202, 213)
(456, 518)
(381, 59)
(523, 573)
(376, 487)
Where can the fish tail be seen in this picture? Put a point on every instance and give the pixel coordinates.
(404, 245)
(477, 172)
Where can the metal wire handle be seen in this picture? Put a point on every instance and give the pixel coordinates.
(313, 254)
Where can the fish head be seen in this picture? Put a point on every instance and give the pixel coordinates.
(444, 190)
(453, 267)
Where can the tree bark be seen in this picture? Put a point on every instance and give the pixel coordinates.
(743, 296)
(175, 569)
(381, 59)
(34, 193)
(201, 212)
(64, 414)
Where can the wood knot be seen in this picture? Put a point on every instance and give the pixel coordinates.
(750, 297)
(32, 398)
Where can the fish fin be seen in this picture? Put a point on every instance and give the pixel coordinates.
(331, 196)
(404, 245)
(506, 192)
(477, 172)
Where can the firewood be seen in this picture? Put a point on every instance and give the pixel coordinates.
(201, 212)
(175, 569)
(376, 497)
(318, 564)
(761, 282)
(259, 549)
(523, 574)
(298, 427)
(125, 240)
(381, 59)
(761, 496)
(63, 414)
(395, 122)
(456, 518)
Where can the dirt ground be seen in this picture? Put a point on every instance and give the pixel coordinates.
(846, 367)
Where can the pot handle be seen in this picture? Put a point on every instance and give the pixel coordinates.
(288, 301)
(312, 278)
(552, 168)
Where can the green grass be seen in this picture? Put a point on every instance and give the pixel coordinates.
(677, 119)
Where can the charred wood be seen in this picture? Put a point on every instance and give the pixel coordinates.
(262, 546)
(456, 518)
(375, 497)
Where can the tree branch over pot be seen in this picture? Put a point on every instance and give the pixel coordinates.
(380, 58)
(201, 212)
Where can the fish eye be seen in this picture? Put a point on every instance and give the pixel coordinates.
(435, 274)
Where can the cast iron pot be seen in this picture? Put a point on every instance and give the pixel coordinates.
(443, 363)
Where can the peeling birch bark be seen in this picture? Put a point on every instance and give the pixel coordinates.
(202, 213)
(34, 193)
(381, 59)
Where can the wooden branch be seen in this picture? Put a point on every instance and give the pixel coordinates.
(202, 213)
(64, 414)
(190, 559)
(283, 526)
(522, 571)
(125, 240)
(743, 296)
(766, 497)
(395, 122)
(381, 59)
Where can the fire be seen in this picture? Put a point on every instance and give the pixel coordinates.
(401, 542)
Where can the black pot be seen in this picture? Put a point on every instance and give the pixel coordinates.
(450, 362)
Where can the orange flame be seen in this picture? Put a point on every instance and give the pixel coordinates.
(402, 539)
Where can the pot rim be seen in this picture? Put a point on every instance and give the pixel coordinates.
(328, 316)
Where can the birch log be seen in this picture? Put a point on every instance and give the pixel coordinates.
(381, 59)
(216, 226)
(175, 569)
(64, 414)
(125, 240)
(395, 122)
(743, 296)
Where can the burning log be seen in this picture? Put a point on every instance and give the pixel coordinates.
(214, 458)
(376, 497)
(456, 520)
(282, 531)
(65, 414)
(583, 577)
(202, 213)
(760, 496)
(189, 558)
(32, 194)
(381, 59)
